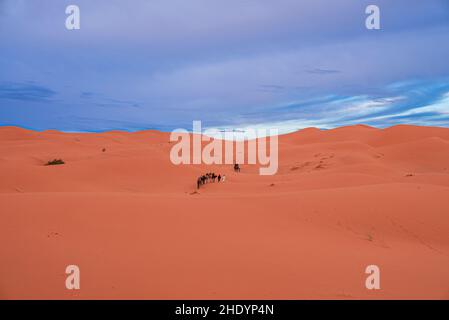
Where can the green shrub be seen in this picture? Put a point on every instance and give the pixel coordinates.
(55, 162)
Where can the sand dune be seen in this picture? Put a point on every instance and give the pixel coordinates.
(130, 219)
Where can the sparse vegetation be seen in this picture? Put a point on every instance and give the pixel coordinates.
(55, 162)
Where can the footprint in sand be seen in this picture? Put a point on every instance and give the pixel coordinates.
(53, 234)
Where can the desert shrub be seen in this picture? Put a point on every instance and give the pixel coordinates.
(55, 162)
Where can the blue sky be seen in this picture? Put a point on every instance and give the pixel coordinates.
(161, 64)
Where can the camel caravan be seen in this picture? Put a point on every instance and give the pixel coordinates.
(210, 177)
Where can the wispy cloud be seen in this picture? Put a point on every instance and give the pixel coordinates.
(322, 71)
(25, 92)
(102, 101)
(332, 111)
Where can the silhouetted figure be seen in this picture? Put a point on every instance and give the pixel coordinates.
(209, 177)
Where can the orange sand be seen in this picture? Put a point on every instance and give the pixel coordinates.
(342, 199)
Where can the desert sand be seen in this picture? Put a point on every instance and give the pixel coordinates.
(342, 199)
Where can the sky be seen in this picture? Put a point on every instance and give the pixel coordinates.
(161, 64)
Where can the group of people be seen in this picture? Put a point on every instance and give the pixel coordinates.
(209, 177)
